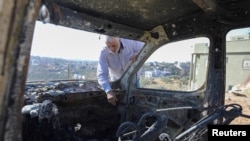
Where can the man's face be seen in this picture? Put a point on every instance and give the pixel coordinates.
(113, 45)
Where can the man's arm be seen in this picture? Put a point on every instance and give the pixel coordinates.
(103, 79)
(103, 73)
(137, 46)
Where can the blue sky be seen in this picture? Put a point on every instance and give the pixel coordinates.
(238, 32)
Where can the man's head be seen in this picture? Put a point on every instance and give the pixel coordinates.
(113, 44)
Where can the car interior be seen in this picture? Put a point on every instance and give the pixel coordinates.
(195, 52)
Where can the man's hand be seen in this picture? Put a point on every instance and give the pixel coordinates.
(112, 97)
(133, 58)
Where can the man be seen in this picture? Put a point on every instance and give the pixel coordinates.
(114, 60)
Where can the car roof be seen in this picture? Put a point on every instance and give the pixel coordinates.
(133, 18)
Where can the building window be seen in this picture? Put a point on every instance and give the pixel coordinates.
(246, 64)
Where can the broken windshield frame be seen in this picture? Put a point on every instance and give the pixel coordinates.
(61, 53)
(178, 66)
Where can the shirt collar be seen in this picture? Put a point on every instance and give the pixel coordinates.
(121, 46)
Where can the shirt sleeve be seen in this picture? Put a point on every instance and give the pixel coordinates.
(138, 46)
(103, 72)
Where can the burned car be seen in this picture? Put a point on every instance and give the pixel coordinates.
(195, 53)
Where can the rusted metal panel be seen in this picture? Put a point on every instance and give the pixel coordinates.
(81, 21)
(6, 23)
(19, 20)
(87, 107)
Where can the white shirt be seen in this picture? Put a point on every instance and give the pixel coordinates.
(111, 66)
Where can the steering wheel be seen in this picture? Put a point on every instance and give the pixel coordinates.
(131, 131)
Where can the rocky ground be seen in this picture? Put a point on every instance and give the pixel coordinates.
(244, 100)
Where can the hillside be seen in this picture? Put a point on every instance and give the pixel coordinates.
(45, 69)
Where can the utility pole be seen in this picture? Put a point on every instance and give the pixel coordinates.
(68, 71)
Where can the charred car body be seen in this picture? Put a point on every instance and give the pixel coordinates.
(78, 110)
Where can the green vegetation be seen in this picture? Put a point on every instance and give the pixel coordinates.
(47, 69)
